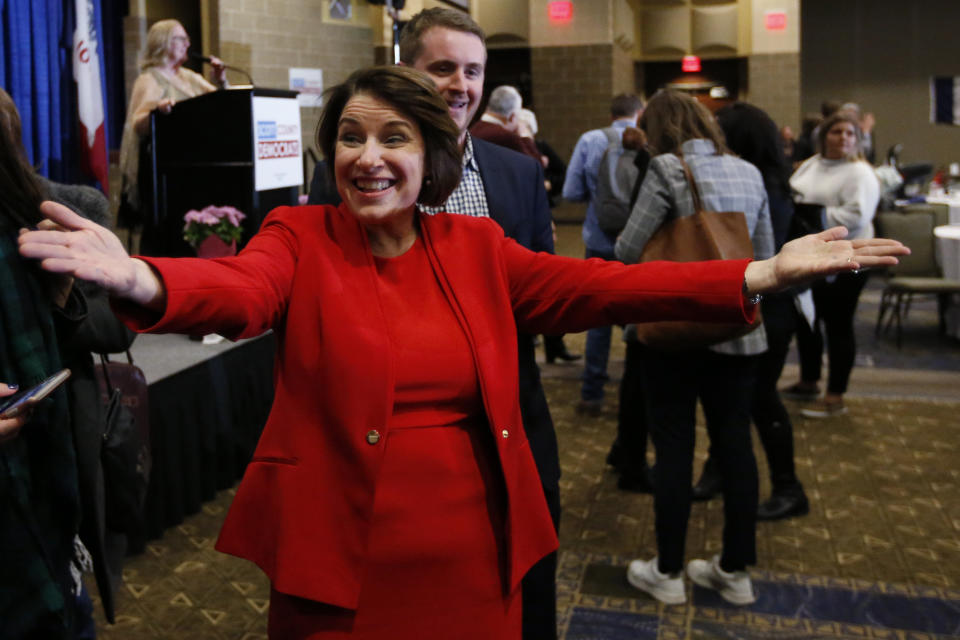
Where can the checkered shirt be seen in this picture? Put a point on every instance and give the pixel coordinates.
(468, 198)
(726, 183)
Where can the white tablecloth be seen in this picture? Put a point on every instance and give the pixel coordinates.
(953, 201)
(948, 251)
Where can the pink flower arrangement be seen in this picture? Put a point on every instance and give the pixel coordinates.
(223, 222)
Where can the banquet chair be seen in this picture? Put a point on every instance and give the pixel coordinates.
(916, 274)
(940, 212)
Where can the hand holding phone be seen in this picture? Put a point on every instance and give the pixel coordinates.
(22, 401)
(9, 428)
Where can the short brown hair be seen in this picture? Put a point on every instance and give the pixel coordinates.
(158, 43)
(625, 105)
(672, 117)
(413, 94)
(829, 123)
(412, 35)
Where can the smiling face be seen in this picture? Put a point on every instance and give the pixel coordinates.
(178, 45)
(455, 60)
(378, 161)
(840, 141)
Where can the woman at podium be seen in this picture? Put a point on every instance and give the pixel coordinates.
(162, 82)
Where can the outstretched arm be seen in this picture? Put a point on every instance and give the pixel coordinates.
(818, 255)
(88, 251)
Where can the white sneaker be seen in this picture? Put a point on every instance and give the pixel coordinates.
(668, 589)
(733, 587)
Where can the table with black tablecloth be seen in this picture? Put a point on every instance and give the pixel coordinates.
(208, 404)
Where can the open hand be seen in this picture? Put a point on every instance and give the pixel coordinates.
(818, 255)
(86, 250)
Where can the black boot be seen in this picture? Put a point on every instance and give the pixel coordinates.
(784, 503)
(708, 486)
(556, 350)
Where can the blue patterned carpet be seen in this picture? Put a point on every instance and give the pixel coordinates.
(601, 605)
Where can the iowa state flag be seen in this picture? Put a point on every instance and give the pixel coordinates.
(90, 102)
(945, 99)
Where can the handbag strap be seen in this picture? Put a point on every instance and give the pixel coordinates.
(103, 364)
(106, 374)
(697, 202)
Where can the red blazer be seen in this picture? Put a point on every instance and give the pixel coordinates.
(302, 512)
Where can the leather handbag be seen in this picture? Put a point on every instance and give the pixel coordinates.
(706, 235)
(125, 451)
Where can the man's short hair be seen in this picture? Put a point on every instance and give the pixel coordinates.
(504, 101)
(412, 35)
(625, 105)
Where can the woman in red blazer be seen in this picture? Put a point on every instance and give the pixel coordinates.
(392, 493)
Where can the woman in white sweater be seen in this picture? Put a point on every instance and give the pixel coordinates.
(839, 179)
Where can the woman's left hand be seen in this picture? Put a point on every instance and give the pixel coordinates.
(218, 71)
(818, 255)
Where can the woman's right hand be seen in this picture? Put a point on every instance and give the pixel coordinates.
(9, 428)
(165, 105)
(88, 251)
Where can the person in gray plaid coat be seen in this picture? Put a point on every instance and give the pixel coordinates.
(721, 377)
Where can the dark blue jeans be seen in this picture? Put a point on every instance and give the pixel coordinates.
(597, 352)
(673, 382)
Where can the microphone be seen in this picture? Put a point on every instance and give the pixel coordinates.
(193, 55)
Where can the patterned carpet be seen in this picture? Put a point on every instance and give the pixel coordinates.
(878, 556)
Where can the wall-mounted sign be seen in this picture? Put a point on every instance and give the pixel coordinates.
(309, 82)
(560, 11)
(775, 20)
(690, 64)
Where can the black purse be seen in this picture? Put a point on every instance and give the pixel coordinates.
(125, 451)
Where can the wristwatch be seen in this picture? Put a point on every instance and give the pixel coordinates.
(750, 299)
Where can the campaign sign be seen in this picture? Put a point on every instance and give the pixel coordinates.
(277, 153)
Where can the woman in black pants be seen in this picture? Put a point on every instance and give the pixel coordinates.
(682, 133)
(839, 179)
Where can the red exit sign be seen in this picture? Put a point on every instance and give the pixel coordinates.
(690, 64)
(775, 20)
(560, 11)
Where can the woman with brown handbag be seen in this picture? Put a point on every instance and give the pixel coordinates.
(690, 155)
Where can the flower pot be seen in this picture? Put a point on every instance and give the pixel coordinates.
(213, 247)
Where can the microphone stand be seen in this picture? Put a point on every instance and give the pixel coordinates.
(203, 58)
(239, 70)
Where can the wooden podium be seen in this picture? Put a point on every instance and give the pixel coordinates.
(239, 147)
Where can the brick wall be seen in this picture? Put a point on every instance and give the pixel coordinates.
(572, 88)
(266, 37)
(774, 86)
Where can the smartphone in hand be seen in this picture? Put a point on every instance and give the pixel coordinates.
(22, 401)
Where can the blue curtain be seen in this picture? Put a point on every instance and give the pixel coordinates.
(34, 57)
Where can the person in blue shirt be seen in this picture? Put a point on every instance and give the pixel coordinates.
(580, 185)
